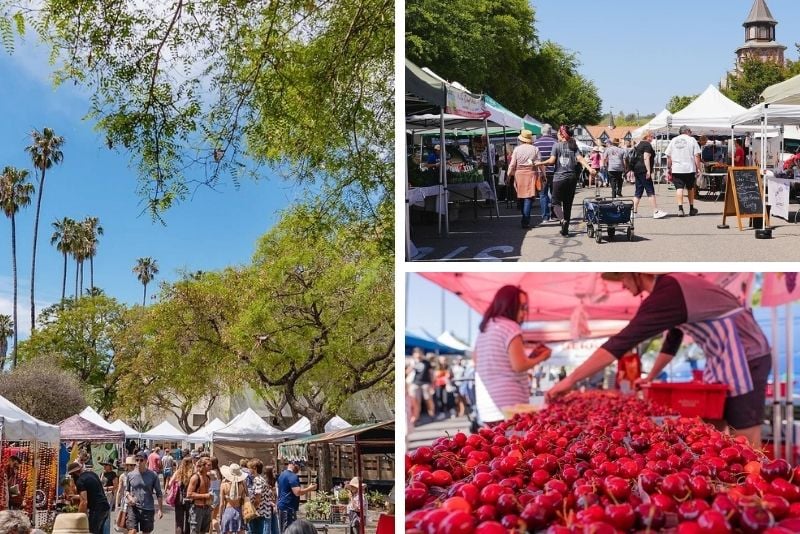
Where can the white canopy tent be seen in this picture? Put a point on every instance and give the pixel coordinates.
(710, 113)
(303, 426)
(203, 435)
(164, 432)
(19, 425)
(247, 436)
(92, 416)
(447, 338)
(659, 122)
(130, 432)
(785, 92)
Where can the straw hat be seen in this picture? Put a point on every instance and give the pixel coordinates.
(74, 467)
(354, 484)
(617, 277)
(71, 524)
(130, 460)
(233, 473)
(526, 136)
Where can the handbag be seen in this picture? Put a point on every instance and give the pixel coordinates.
(172, 494)
(248, 511)
(121, 519)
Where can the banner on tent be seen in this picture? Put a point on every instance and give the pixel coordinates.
(779, 288)
(465, 105)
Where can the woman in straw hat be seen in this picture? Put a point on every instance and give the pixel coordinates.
(232, 494)
(71, 524)
(354, 506)
(524, 173)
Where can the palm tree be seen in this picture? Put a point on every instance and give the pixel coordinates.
(45, 151)
(146, 269)
(15, 193)
(64, 239)
(6, 331)
(93, 230)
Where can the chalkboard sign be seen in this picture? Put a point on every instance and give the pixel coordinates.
(743, 194)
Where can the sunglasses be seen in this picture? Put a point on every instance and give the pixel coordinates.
(523, 307)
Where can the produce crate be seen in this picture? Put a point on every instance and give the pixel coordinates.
(689, 398)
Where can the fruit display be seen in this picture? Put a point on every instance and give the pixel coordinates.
(599, 463)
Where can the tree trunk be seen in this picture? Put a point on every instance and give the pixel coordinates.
(64, 278)
(76, 279)
(144, 295)
(33, 259)
(14, 268)
(91, 273)
(3, 352)
(324, 471)
(81, 284)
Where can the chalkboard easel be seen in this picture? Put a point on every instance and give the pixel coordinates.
(743, 194)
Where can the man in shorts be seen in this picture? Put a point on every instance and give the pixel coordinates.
(683, 160)
(142, 484)
(737, 352)
(199, 493)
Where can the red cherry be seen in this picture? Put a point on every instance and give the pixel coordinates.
(690, 510)
(775, 469)
(778, 506)
(621, 516)
(415, 498)
(650, 517)
(490, 527)
(440, 477)
(486, 512)
(491, 493)
(457, 523)
(460, 504)
(675, 486)
(713, 522)
(755, 519)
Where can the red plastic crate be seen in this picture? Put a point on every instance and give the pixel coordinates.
(690, 399)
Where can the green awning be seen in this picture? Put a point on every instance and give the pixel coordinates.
(371, 436)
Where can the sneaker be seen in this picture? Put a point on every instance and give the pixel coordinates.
(658, 214)
(692, 211)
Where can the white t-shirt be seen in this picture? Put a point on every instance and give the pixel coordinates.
(682, 150)
(496, 384)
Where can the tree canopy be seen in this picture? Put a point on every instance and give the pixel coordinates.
(199, 91)
(678, 102)
(491, 46)
(43, 389)
(745, 87)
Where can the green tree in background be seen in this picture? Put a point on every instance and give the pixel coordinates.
(206, 91)
(44, 390)
(745, 88)
(6, 331)
(677, 102)
(491, 46)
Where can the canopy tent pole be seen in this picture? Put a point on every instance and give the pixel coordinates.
(361, 514)
(443, 198)
(764, 168)
(776, 394)
(732, 148)
(789, 386)
(505, 162)
(491, 165)
(409, 245)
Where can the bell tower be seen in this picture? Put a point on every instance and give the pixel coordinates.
(759, 37)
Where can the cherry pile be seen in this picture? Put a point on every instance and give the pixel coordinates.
(599, 463)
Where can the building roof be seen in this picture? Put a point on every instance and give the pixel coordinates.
(760, 45)
(620, 131)
(759, 13)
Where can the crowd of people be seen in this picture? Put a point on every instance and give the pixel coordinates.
(439, 388)
(207, 497)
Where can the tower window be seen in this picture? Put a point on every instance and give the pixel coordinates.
(762, 33)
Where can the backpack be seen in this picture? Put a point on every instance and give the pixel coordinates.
(632, 158)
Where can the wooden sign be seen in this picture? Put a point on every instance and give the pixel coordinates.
(743, 194)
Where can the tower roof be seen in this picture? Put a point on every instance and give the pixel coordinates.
(759, 13)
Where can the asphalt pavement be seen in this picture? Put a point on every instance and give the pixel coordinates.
(673, 238)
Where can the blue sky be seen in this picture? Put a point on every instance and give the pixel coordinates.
(211, 230)
(686, 44)
(425, 302)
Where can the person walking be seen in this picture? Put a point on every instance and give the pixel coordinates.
(501, 363)
(198, 492)
(289, 492)
(545, 144)
(421, 387)
(614, 163)
(92, 495)
(524, 173)
(142, 484)
(642, 161)
(232, 495)
(180, 480)
(595, 161)
(262, 495)
(566, 157)
(736, 350)
(168, 465)
(122, 489)
(683, 160)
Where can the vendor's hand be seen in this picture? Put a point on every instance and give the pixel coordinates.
(561, 388)
(639, 382)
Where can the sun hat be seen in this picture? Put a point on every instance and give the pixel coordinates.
(354, 484)
(233, 473)
(615, 141)
(74, 467)
(71, 524)
(130, 460)
(617, 277)
(526, 136)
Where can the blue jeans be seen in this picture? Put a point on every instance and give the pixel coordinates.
(271, 524)
(257, 525)
(287, 518)
(544, 196)
(527, 203)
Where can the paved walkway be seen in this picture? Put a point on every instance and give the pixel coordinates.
(426, 433)
(669, 239)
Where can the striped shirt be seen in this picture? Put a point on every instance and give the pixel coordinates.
(266, 494)
(545, 145)
(496, 384)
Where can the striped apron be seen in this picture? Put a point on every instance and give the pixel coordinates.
(726, 361)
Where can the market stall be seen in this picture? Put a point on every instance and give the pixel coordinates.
(247, 436)
(203, 434)
(302, 427)
(130, 432)
(102, 444)
(32, 485)
(92, 416)
(164, 433)
(368, 439)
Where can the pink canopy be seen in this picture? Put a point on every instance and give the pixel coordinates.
(779, 288)
(557, 296)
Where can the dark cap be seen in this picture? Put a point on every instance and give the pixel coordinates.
(141, 456)
(74, 467)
